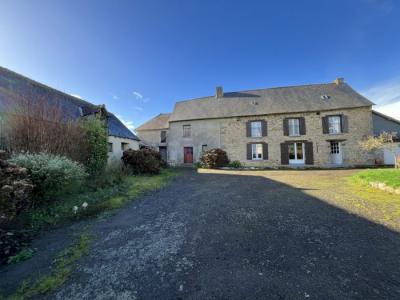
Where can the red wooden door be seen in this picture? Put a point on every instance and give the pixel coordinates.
(188, 155)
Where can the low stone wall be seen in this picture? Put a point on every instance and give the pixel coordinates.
(382, 186)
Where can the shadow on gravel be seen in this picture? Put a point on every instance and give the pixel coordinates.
(264, 238)
(235, 237)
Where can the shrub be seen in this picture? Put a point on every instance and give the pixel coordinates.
(15, 191)
(235, 164)
(11, 242)
(51, 174)
(96, 139)
(143, 161)
(214, 158)
(113, 174)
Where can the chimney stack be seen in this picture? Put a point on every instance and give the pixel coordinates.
(339, 80)
(219, 92)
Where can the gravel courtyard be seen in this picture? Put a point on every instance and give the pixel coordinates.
(244, 235)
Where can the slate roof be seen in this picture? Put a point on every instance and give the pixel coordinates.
(158, 122)
(270, 101)
(13, 86)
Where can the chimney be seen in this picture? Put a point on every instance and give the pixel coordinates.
(339, 80)
(219, 92)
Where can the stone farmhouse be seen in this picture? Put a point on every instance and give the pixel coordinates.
(13, 86)
(316, 125)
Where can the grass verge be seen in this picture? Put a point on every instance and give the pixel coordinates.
(95, 202)
(391, 177)
(63, 267)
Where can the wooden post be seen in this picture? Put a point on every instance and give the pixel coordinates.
(397, 161)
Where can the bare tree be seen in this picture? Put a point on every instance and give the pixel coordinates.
(39, 123)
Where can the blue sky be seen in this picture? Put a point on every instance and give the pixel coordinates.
(139, 57)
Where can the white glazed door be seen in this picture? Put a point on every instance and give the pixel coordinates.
(296, 153)
(336, 153)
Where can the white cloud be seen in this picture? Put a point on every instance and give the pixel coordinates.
(138, 95)
(138, 108)
(76, 96)
(392, 110)
(115, 97)
(386, 96)
(127, 123)
(384, 93)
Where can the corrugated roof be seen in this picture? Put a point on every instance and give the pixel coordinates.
(14, 86)
(271, 101)
(158, 122)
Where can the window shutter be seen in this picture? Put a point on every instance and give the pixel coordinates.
(345, 124)
(264, 128)
(265, 151)
(286, 127)
(248, 151)
(248, 129)
(284, 154)
(309, 153)
(325, 126)
(302, 126)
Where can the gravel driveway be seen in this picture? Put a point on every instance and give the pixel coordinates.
(231, 235)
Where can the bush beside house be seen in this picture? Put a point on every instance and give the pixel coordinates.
(143, 161)
(214, 158)
(96, 139)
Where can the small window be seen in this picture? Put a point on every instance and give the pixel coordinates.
(187, 130)
(163, 136)
(124, 146)
(110, 147)
(294, 127)
(204, 148)
(335, 148)
(256, 129)
(334, 124)
(256, 151)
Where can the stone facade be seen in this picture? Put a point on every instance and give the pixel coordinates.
(230, 135)
(152, 137)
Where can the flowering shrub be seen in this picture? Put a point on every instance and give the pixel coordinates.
(51, 174)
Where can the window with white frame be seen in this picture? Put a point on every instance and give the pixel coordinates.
(334, 124)
(110, 147)
(256, 130)
(187, 130)
(256, 151)
(294, 127)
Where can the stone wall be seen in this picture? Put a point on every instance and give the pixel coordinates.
(152, 137)
(230, 135)
(204, 132)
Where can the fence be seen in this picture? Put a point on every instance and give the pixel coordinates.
(397, 161)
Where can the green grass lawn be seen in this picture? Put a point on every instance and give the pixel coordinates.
(390, 177)
(98, 201)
